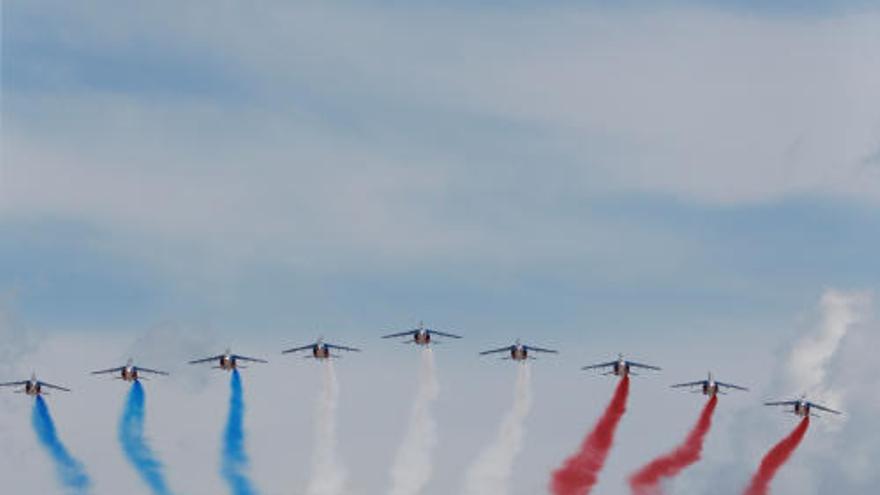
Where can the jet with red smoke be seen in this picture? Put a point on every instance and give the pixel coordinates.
(647, 480)
(580, 471)
(621, 367)
(710, 386)
(802, 407)
(775, 459)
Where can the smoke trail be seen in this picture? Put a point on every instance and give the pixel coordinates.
(810, 362)
(412, 466)
(69, 471)
(581, 471)
(774, 459)
(328, 476)
(234, 458)
(490, 473)
(646, 481)
(131, 436)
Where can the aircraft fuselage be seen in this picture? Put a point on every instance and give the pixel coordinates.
(519, 353)
(129, 373)
(422, 337)
(710, 388)
(802, 409)
(621, 369)
(320, 351)
(227, 363)
(33, 388)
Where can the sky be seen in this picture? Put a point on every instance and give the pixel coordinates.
(694, 184)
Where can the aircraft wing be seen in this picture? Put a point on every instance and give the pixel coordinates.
(730, 385)
(56, 387)
(342, 348)
(493, 351)
(109, 370)
(781, 403)
(597, 366)
(207, 359)
(13, 384)
(298, 349)
(644, 366)
(444, 334)
(148, 370)
(689, 384)
(245, 358)
(399, 334)
(823, 408)
(541, 349)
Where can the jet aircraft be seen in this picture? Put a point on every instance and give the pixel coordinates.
(710, 386)
(33, 387)
(421, 335)
(802, 407)
(228, 361)
(130, 372)
(621, 367)
(321, 349)
(519, 351)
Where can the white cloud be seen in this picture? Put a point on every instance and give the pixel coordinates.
(812, 355)
(853, 374)
(411, 132)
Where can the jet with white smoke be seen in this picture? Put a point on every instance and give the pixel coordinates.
(328, 475)
(413, 465)
(492, 470)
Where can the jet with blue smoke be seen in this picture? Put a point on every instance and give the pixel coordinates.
(70, 472)
(234, 458)
(134, 445)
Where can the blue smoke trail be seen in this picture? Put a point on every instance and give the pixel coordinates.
(234, 458)
(69, 471)
(131, 436)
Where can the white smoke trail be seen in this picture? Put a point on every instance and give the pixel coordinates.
(490, 473)
(809, 359)
(328, 475)
(412, 466)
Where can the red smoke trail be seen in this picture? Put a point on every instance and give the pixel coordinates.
(646, 481)
(774, 460)
(581, 471)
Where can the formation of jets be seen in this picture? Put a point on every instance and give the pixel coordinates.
(424, 336)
